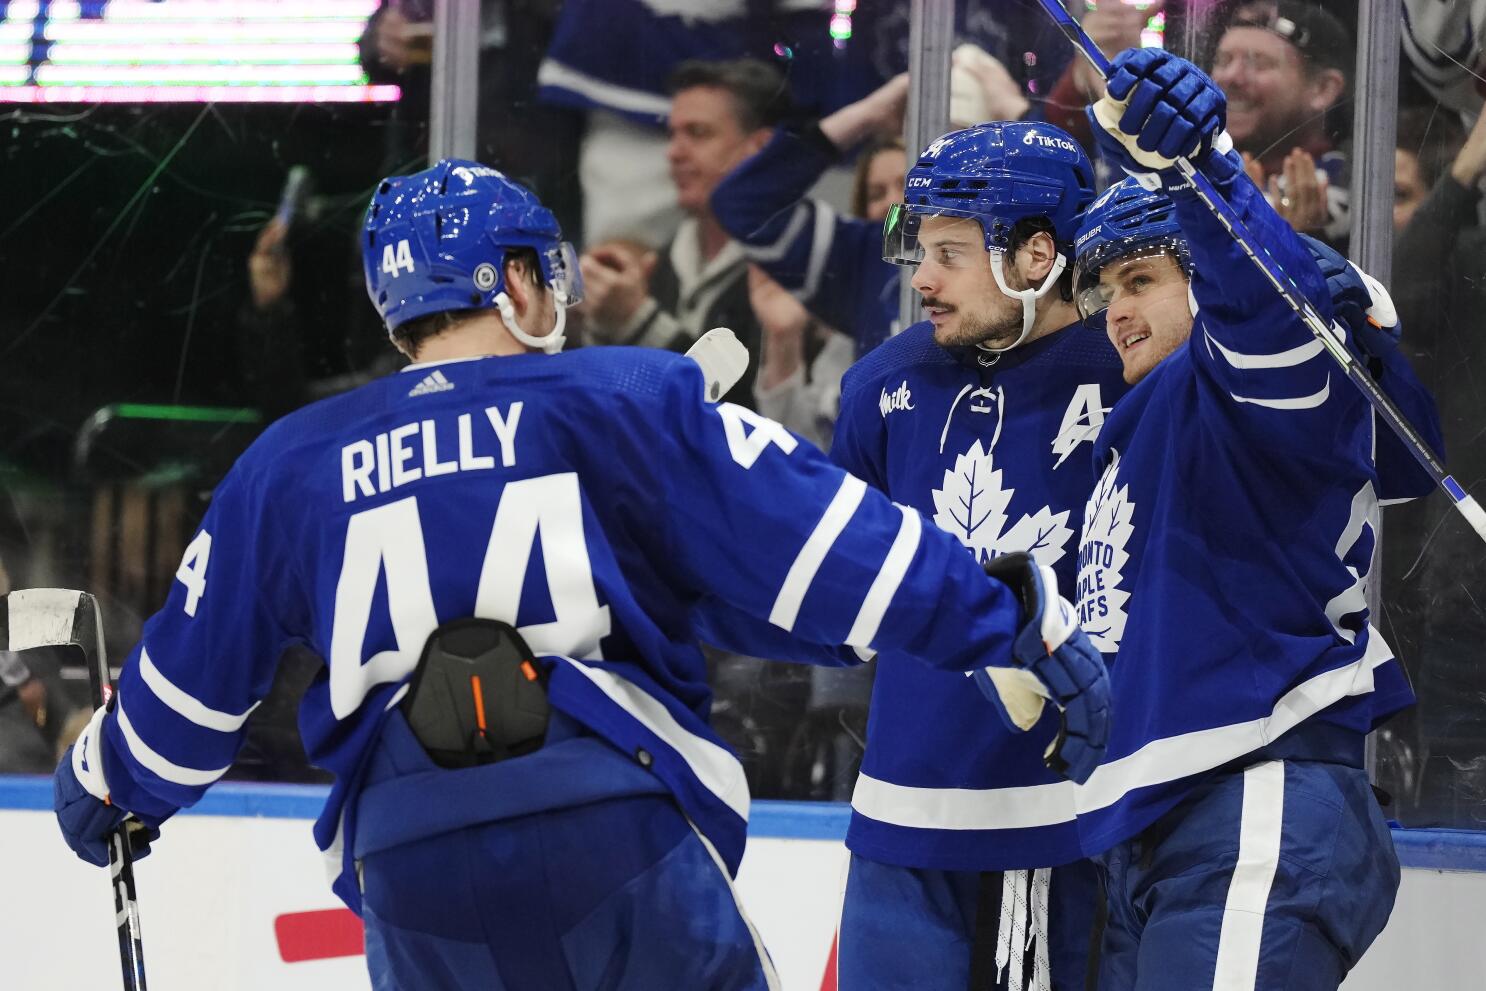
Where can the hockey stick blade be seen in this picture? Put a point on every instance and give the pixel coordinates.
(1332, 342)
(48, 617)
(59, 617)
(723, 360)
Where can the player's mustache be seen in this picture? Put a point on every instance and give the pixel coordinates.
(936, 301)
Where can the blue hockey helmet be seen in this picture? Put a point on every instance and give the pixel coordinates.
(1125, 221)
(996, 174)
(437, 240)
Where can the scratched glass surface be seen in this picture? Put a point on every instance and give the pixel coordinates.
(179, 269)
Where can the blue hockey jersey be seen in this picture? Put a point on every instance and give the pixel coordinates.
(997, 454)
(594, 500)
(1226, 548)
(832, 264)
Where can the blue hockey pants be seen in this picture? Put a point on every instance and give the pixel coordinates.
(1275, 877)
(618, 895)
(910, 928)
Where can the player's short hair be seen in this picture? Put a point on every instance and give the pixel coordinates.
(410, 335)
(1021, 233)
(760, 96)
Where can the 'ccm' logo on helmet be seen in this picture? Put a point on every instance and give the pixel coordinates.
(1043, 141)
(392, 261)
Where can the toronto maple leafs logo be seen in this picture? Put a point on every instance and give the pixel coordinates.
(971, 504)
(1102, 558)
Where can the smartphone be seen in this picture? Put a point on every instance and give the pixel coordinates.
(293, 196)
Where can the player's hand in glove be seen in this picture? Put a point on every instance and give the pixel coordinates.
(80, 798)
(1055, 662)
(1157, 108)
(1360, 301)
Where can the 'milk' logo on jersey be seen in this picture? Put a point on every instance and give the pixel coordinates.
(899, 398)
(1102, 558)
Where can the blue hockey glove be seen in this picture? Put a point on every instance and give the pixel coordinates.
(1157, 108)
(1360, 301)
(80, 798)
(1055, 662)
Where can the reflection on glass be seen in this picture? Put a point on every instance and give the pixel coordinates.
(176, 262)
(1435, 762)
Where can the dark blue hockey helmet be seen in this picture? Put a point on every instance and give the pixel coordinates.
(1125, 220)
(996, 173)
(437, 240)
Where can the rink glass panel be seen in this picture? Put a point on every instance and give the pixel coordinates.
(134, 366)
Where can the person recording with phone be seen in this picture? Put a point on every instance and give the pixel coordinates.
(297, 340)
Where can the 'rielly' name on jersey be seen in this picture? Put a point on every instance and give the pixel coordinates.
(407, 453)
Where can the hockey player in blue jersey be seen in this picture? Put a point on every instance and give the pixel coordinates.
(982, 418)
(562, 528)
(1223, 568)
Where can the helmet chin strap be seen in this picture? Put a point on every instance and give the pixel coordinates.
(551, 343)
(1029, 297)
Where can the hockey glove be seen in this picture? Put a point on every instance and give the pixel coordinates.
(1157, 108)
(80, 798)
(1055, 662)
(1360, 301)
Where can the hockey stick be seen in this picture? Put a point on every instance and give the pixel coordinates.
(723, 360)
(57, 617)
(1333, 340)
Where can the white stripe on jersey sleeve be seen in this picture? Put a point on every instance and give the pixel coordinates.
(605, 94)
(885, 585)
(792, 593)
(1283, 359)
(775, 251)
(1299, 402)
(176, 774)
(185, 705)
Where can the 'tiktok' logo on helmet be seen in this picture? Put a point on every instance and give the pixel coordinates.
(1043, 141)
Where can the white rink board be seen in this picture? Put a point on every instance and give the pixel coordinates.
(212, 887)
(211, 890)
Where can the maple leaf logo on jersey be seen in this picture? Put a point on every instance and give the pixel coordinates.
(1101, 560)
(971, 504)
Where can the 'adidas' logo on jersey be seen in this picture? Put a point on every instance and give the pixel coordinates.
(433, 382)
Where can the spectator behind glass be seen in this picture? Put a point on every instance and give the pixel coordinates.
(721, 113)
(1433, 565)
(1429, 142)
(536, 145)
(1114, 26)
(1284, 66)
(878, 181)
(834, 264)
(799, 380)
(616, 73)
